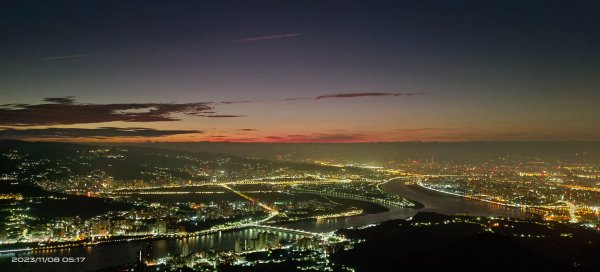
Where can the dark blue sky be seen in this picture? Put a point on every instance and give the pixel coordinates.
(483, 70)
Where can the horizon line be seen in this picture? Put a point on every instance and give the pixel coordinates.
(361, 142)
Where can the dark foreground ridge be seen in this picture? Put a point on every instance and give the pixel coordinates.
(434, 242)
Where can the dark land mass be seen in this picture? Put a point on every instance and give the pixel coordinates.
(367, 207)
(54, 163)
(435, 242)
(571, 151)
(47, 205)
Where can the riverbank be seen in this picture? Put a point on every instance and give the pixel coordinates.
(434, 201)
(110, 254)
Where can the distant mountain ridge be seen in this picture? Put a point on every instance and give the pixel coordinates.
(572, 151)
(52, 163)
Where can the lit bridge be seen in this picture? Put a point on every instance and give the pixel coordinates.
(282, 229)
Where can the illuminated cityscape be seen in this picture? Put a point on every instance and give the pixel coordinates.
(288, 135)
(264, 205)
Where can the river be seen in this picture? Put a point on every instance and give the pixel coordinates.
(432, 201)
(115, 254)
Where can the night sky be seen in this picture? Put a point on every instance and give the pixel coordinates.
(300, 71)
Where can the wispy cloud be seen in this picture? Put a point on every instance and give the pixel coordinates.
(69, 56)
(318, 138)
(328, 96)
(423, 130)
(269, 37)
(102, 133)
(356, 95)
(223, 116)
(237, 102)
(324, 137)
(60, 100)
(353, 95)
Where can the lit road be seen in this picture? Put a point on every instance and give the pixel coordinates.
(264, 206)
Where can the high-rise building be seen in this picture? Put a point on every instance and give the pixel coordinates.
(237, 245)
(161, 226)
(185, 249)
(262, 237)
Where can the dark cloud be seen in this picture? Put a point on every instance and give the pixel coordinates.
(353, 95)
(65, 111)
(423, 130)
(269, 37)
(298, 98)
(223, 116)
(247, 129)
(60, 100)
(318, 138)
(103, 132)
(337, 137)
(237, 102)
